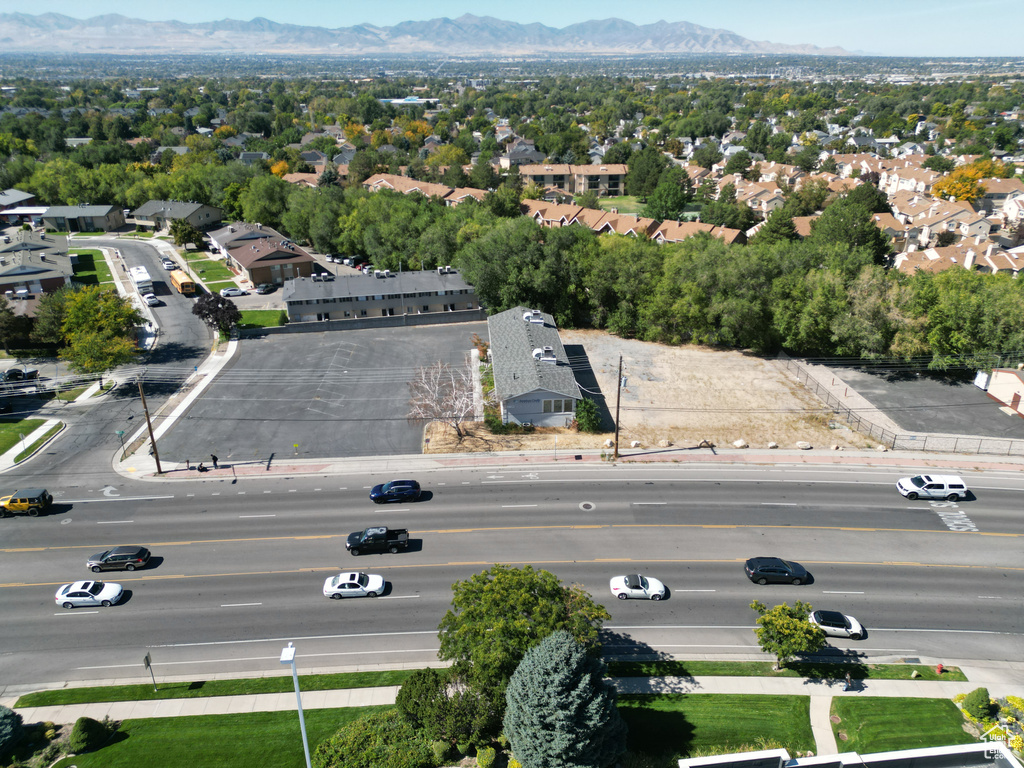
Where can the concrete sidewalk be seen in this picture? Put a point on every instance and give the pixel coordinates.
(820, 692)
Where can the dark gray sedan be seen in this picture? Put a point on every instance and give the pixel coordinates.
(774, 570)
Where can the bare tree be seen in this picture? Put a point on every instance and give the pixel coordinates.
(443, 393)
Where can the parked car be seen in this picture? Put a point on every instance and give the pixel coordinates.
(151, 299)
(637, 586)
(233, 292)
(396, 490)
(20, 374)
(264, 288)
(836, 624)
(168, 264)
(353, 585)
(949, 487)
(119, 559)
(89, 593)
(774, 570)
(29, 500)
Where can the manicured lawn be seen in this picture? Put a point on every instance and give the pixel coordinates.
(91, 269)
(10, 431)
(876, 724)
(263, 318)
(196, 689)
(624, 204)
(824, 670)
(252, 740)
(215, 287)
(679, 724)
(34, 446)
(209, 270)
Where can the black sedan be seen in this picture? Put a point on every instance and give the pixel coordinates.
(774, 570)
(396, 490)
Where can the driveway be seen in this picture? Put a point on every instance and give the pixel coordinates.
(316, 395)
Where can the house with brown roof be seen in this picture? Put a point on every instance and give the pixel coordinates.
(302, 179)
(550, 214)
(902, 234)
(967, 254)
(780, 173)
(998, 192)
(270, 260)
(405, 185)
(677, 231)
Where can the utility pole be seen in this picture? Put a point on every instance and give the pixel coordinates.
(618, 398)
(149, 425)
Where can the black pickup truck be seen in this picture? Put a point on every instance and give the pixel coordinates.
(378, 539)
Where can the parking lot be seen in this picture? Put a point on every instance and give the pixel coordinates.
(313, 395)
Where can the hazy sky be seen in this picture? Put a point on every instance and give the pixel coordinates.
(887, 27)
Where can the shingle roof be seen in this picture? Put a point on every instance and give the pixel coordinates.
(303, 289)
(75, 211)
(168, 209)
(516, 371)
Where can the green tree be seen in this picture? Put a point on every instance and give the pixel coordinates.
(785, 632)
(706, 155)
(11, 728)
(383, 738)
(738, 163)
(588, 417)
(49, 325)
(435, 703)
(483, 176)
(778, 227)
(504, 201)
(499, 614)
(8, 324)
(560, 711)
(669, 199)
(588, 199)
(217, 312)
(184, 233)
(851, 224)
(265, 200)
(645, 168)
(98, 330)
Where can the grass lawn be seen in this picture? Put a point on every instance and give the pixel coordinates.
(251, 740)
(263, 318)
(215, 287)
(680, 725)
(826, 670)
(624, 204)
(91, 269)
(37, 443)
(10, 431)
(876, 724)
(209, 270)
(191, 690)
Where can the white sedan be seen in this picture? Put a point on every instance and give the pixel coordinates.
(89, 593)
(635, 585)
(233, 292)
(836, 624)
(353, 585)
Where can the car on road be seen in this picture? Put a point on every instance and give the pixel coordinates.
(836, 624)
(31, 501)
(151, 299)
(264, 288)
(82, 594)
(233, 292)
(395, 490)
(168, 264)
(774, 570)
(353, 584)
(126, 558)
(948, 487)
(20, 374)
(635, 585)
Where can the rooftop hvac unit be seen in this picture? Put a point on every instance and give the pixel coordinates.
(533, 316)
(376, 273)
(440, 270)
(448, 269)
(387, 273)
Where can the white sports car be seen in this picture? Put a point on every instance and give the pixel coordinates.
(836, 624)
(635, 585)
(353, 585)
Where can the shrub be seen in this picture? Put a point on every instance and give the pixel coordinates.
(502, 741)
(87, 735)
(11, 728)
(485, 757)
(51, 753)
(440, 750)
(382, 738)
(493, 422)
(513, 763)
(978, 704)
(463, 747)
(588, 419)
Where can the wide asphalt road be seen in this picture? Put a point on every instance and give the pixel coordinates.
(238, 566)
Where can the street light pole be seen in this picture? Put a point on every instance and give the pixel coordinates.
(288, 657)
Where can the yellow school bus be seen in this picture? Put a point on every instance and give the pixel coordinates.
(182, 282)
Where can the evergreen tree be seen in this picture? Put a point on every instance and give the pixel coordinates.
(560, 712)
(778, 227)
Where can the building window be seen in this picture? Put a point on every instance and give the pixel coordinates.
(426, 307)
(558, 406)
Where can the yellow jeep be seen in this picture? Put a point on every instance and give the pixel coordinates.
(31, 500)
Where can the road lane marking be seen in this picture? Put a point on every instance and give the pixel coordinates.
(244, 516)
(399, 597)
(74, 613)
(113, 498)
(989, 597)
(294, 639)
(238, 605)
(840, 592)
(113, 522)
(518, 506)
(241, 493)
(777, 504)
(694, 590)
(648, 503)
(305, 655)
(268, 491)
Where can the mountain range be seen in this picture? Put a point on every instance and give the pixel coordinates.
(466, 35)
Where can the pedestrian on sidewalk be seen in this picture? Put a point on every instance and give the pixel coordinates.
(849, 683)
(201, 467)
(213, 458)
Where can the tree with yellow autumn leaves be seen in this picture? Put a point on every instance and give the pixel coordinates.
(966, 182)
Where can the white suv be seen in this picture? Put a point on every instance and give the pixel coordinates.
(949, 487)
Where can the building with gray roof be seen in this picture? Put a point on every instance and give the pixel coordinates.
(160, 213)
(382, 294)
(533, 379)
(83, 218)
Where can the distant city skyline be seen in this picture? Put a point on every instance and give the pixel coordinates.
(884, 27)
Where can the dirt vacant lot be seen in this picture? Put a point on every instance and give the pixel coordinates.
(682, 395)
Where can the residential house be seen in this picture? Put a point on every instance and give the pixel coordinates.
(780, 173)
(157, 155)
(12, 198)
(160, 213)
(405, 185)
(302, 179)
(440, 292)
(520, 152)
(32, 264)
(83, 218)
(1006, 386)
(967, 254)
(270, 260)
(237, 234)
(251, 158)
(902, 234)
(677, 231)
(999, 192)
(606, 180)
(533, 378)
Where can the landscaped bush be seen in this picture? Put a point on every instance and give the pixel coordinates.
(381, 740)
(588, 419)
(87, 735)
(978, 704)
(440, 750)
(485, 757)
(11, 728)
(493, 423)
